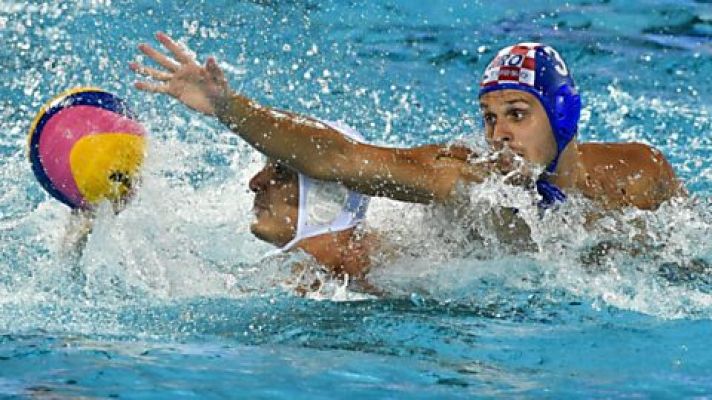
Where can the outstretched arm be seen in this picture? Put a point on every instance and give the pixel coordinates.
(423, 174)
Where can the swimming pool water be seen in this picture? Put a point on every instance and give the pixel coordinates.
(172, 300)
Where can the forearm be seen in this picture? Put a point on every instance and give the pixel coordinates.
(77, 233)
(302, 143)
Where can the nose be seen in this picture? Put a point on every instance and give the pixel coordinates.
(502, 134)
(258, 182)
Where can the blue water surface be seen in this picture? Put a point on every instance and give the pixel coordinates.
(171, 299)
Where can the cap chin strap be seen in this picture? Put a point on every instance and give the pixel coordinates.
(551, 168)
(550, 193)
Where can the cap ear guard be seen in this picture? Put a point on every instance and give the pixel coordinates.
(567, 111)
(327, 207)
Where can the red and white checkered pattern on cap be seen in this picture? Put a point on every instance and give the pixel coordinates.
(513, 64)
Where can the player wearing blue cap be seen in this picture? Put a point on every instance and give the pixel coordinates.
(530, 106)
(539, 71)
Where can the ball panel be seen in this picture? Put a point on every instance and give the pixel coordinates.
(104, 166)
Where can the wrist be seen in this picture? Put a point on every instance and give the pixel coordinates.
(233, 110)
(221, 105)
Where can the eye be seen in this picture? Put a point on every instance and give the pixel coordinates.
(517, 114)
(490, 119)
(281, 172)
(279, 169)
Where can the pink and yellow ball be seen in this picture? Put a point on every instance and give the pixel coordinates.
(86, 146)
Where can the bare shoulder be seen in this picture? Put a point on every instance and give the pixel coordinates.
(629, 151)
(634, 157)
(628, 174)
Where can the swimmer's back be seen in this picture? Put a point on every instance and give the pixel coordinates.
(628, 174)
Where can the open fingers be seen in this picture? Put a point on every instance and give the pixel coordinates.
(156, 74)
(181, 53)
(160, 58)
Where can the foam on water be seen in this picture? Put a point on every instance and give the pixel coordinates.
(654, 262)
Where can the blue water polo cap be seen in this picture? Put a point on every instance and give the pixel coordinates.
(538, 69)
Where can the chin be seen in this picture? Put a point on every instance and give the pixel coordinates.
(260, 230)
(259, 233)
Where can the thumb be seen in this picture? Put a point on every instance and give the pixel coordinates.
(214, 71)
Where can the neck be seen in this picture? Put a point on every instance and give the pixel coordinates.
(569, 169)
(345, 252)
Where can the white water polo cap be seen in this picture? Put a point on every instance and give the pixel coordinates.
(328, 207)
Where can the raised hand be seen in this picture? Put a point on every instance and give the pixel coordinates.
(202, 88)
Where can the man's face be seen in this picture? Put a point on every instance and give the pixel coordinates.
(516, 119)
(276, 204)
